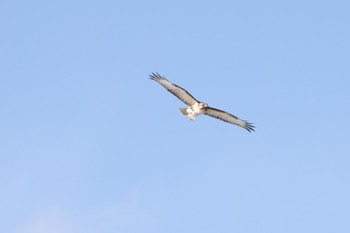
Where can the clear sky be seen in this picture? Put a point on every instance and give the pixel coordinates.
(90, 144)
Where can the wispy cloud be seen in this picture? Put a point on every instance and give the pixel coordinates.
(125, 216)
(49, 221)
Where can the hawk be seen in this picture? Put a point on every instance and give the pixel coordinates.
(196, 107)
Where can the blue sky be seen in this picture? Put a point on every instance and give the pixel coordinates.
(90, 144)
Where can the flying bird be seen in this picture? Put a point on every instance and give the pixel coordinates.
(196, 107)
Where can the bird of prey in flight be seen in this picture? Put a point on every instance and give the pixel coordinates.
(196, 107)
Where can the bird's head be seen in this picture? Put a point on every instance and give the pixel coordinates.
(203, 105)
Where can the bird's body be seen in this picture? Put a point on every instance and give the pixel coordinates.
(196, 107)
(193, 111)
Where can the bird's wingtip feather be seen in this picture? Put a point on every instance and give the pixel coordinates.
(249, 126)
(156, 76)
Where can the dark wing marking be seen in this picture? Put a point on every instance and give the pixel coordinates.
(179, 92)
(229, 118)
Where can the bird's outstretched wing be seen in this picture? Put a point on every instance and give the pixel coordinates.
(227, 117)
(179, 92)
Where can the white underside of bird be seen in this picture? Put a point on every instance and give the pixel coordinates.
(193, 111)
